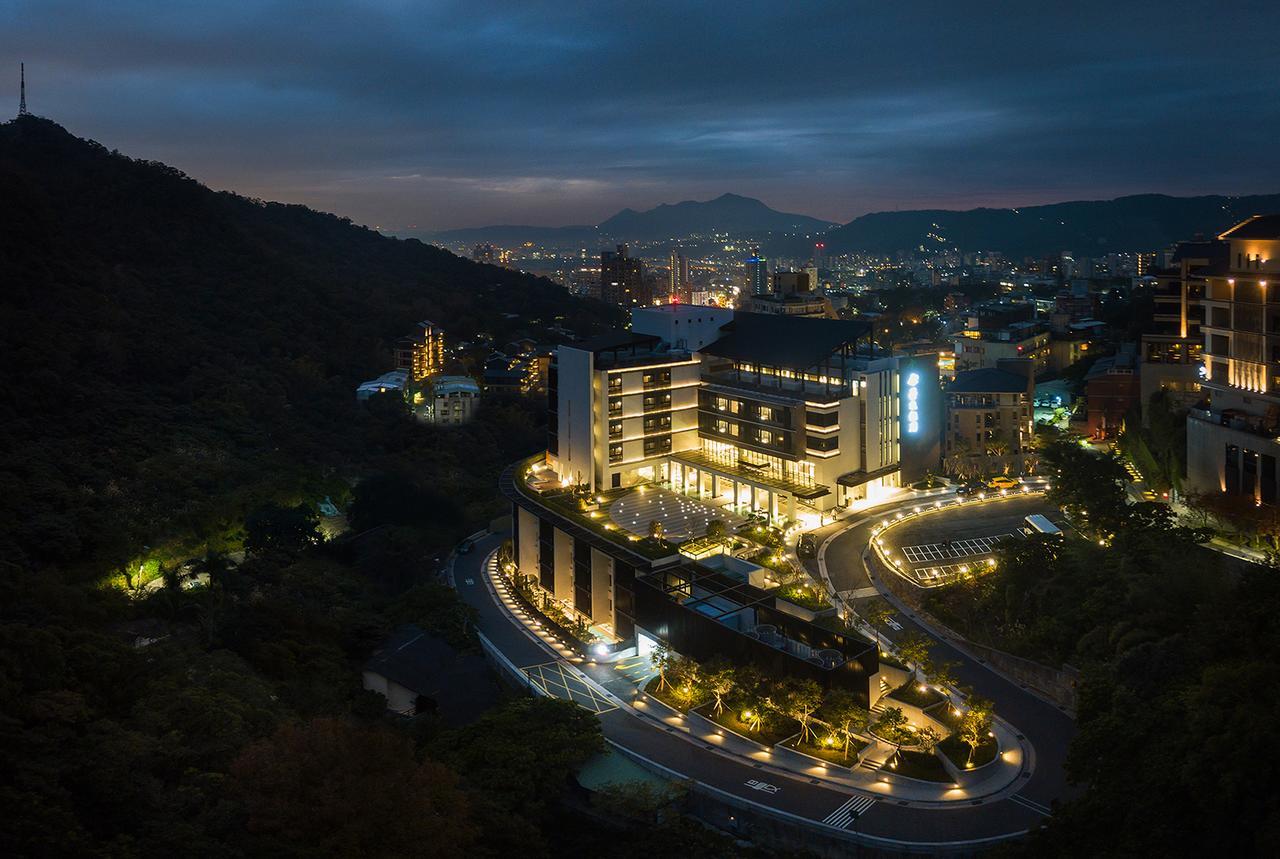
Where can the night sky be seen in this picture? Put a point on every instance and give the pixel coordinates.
(443, 114)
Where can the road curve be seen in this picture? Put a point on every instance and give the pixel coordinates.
(888, 822)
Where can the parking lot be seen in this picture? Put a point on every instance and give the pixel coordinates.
(938, 547)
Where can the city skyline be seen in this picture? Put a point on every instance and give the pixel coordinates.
(451, 116)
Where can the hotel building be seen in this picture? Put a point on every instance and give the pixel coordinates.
(780, 416)
(1234, 443)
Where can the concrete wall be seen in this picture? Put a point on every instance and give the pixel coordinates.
(527, 551)
(601, 587)
(683, 326)
(399, 699)
(576, 429)
(563, 566)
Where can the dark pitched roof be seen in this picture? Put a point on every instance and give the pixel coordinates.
(460, 683)
(1213, 251)
(988, 381)
(1256, 227)
(784, 341)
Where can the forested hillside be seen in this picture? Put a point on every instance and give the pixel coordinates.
(1087, 228)
(179, 371)
(173, 355)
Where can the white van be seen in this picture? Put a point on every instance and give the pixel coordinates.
(1037, 524)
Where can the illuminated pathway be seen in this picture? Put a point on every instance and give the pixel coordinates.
(738, 774)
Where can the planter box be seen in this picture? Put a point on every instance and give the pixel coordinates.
(807, 614)
(657, 707)
(701, 724)
(967, 776)
(787, 752)
(915, 714)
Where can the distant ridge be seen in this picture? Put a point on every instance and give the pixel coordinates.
(1140, 222)
(726, 213)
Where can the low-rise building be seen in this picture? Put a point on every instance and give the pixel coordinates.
(1112, 392)
(792, 294)
(448, 400)
(978, 348)
(393, 381)
(738, 414)
(989, 411)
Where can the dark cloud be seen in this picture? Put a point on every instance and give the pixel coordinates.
(399, 112)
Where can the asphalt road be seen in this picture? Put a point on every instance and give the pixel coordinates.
(1045, 726)
(811, 801)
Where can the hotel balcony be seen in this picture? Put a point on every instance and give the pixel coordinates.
(1264, 426)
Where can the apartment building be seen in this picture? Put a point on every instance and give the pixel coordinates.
(793, 293)
(990, 411)
(1232, 445)
(982, 344)
(421, 352)
(1172, 357)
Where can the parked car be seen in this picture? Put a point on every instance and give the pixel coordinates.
(464, 547)
(1002, 482)
(971, 487)
(808, 546)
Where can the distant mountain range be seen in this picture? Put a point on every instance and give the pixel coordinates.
(729, 213)
(1088, 228)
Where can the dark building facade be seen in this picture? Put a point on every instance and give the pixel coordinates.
(622, 279)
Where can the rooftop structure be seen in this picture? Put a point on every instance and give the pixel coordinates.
(391, 381)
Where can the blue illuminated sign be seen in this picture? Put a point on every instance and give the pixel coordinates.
(911, 402)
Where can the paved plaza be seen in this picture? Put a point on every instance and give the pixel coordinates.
(682, 517)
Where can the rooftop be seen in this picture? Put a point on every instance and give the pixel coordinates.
(988, 381)
(612, 341)
(1255, 227)
(786, 341)
(458, 683)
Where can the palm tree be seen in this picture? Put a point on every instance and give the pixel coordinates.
(959, 460)
(998, 449)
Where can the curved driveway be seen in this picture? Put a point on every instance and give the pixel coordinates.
(889, 822)
(1044, 725)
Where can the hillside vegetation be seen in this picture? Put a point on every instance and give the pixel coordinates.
(174, 356)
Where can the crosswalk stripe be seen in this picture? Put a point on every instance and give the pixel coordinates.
(855, 807)
(1031, 804)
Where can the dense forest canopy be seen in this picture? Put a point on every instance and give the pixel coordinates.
(174, 355)
(180, 367)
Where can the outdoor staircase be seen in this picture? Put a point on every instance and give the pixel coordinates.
(874, 761)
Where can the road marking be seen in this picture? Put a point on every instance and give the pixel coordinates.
(556, 682)
(852, 809)
(1038, 808)
(470, 581)
(859, 593)
(956, 549)
(756, 784)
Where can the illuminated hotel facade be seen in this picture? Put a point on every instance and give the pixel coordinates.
(769, 414)
(1234, 444)
(785, 416)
